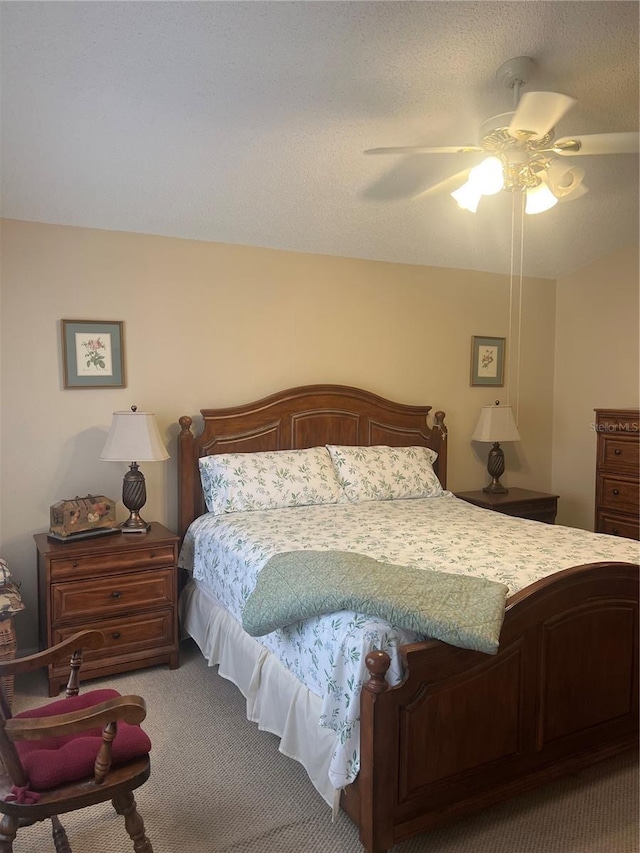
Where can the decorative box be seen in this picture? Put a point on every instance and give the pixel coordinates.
(82, 515)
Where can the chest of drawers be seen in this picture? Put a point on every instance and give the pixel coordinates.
(617, 472)
(124, 585)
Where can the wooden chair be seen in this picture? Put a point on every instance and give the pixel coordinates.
(71, 753)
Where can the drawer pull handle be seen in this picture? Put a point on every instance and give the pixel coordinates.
(617, 451)
(74, 564)
(615, 531)
(152, 555)
(616, 491)
(116, 635)
(116, 594)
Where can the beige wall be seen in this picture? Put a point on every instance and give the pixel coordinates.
(214, 325)
(597, 366)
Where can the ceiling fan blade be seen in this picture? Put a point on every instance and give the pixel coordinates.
(421, 149)
(538, 112)
(597, 143)
(407, 178)
(447, 186)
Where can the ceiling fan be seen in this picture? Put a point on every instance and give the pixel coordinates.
(523, 154)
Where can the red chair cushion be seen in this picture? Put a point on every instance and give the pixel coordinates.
(57, 760)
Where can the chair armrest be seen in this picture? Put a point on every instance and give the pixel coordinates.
(130, 709)
(82, 640)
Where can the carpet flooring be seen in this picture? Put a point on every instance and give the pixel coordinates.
(218, 785)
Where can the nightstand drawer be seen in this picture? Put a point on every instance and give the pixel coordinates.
(618, 493)
(111, 595)
(543, 510)
(617, 525)
(124, 634)
(112, 562)
(619, 453)
(520, 503)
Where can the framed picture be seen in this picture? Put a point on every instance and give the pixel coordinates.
(487, 360)
(93, 354)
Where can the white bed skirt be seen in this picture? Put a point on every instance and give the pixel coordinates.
(276, 700)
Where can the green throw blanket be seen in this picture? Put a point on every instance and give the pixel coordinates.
(460, 610)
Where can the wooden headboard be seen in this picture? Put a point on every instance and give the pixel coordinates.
(309, 416)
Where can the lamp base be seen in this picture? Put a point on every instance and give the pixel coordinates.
(495, 488)
(134, 497)
(495, 467)
(134, 524)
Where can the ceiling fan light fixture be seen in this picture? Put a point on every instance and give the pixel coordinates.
(539, 199)
(488, 176)
(580, 190)
(467, 196)
(564, 180)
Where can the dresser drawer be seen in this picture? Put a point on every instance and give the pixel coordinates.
(113, 562)
(617, 493)
(619, 453)
(617, 525)
(123, 634)
(626, 421)
(108, 596)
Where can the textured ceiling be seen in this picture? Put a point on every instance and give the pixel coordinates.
(243, 122)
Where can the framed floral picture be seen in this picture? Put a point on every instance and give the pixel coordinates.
(487, 360)
(93, 354)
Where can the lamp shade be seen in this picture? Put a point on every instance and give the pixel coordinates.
(468, 196)
(488, 176)
(134, 437)
(539, 199)
(496, 423)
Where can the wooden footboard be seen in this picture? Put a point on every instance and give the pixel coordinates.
(465, 729)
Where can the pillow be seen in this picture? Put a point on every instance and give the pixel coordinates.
(382, 473)
(240, 482)
(59, 759)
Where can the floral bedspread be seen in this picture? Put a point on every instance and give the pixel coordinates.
(226, 552)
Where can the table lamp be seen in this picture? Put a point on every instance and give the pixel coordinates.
(496, 424)
(134, 435)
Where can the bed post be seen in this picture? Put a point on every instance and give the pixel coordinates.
(376, 825)
(439, 424)
(186, 475)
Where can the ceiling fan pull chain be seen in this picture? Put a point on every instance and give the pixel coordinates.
(511, 275)
(520, 297)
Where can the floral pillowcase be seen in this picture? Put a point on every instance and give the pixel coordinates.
(241, 482)
(382, 473)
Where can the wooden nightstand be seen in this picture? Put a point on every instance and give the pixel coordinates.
(124, 585)
(523, 503)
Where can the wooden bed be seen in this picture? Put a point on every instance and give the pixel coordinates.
(464, 729)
